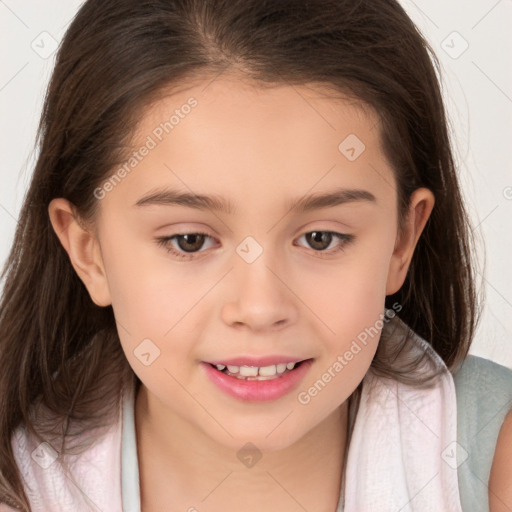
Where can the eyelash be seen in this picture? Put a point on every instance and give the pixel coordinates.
(165, 242)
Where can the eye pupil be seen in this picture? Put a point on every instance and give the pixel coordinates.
(195, 240)
(319, 240)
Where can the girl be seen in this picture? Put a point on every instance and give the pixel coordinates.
(242, 275)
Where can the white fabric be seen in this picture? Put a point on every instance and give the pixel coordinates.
(87, 482)
(396, 459)
(402, 451)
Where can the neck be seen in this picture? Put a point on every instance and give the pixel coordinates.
(181, 468)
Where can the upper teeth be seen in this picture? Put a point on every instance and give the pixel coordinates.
(254, 371)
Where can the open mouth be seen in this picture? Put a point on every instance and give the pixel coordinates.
(250, 383)
(270, 372)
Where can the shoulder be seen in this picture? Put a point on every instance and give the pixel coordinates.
(482, 370)
(484, 398)
(484, 392)
(500, 482)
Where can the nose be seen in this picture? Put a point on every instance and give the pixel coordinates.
(260, 298)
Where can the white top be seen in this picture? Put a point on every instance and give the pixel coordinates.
(402, 451)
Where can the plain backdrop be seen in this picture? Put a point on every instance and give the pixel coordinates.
(473, 41)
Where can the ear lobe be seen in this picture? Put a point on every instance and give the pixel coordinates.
(83, 249)
(421, 204)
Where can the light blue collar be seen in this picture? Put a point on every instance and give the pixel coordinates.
(129, 462)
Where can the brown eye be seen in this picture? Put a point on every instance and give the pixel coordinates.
(326, 243)
(191, 242)
(319, 240)
(186, 245)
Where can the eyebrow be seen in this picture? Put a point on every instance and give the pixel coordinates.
(170, 197)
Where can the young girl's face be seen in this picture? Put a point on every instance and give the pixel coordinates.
(277, 276)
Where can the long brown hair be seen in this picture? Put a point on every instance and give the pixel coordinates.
(57, 348)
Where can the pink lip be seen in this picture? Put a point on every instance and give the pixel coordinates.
(256, 361)
(257, 390)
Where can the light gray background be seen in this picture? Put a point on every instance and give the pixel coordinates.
(478, 89)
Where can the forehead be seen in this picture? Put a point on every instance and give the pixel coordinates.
(233, 108)
(238, 139)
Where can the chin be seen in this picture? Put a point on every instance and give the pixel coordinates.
(268, 436)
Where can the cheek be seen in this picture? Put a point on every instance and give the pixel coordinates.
(148, 303)
(351, 307)
(349, 296)
(145, 290)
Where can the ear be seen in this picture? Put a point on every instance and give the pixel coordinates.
(82, 246)
(420, 207)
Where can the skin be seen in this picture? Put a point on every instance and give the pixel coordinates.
(500, 482)
(259, 148)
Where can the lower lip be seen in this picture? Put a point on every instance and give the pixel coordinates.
(258, 390)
